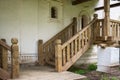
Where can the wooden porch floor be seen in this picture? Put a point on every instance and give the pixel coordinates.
(45, 73)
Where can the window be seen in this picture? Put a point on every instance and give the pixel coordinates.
(54, 12)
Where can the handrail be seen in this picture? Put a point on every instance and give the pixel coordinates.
(76, 35)
(116, 21)
(66, 54)
(62, 31)
(2, 43)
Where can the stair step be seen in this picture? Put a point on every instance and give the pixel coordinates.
(4, 74)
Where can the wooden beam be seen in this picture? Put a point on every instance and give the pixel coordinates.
(75, 2)
(111, 6)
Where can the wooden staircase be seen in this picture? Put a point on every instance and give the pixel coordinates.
(66, 47)
(46, 51)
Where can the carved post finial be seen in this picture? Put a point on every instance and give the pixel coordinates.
(74, 19)
(95, 15)
(14, 40)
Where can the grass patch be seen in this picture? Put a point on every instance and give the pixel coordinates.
(84, 70)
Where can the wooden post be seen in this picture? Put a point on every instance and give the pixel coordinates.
(106, 29)
(4, 57)
(74, 25)
(40, 53)
(14, 58)
(94, 28)
(58, 56)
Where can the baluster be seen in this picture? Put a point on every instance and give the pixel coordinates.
(119, 30)
(15, 58)
(112, 29)
(68, 52)
(75, 45)
(86, 36)
(82, 40)
(64, 57)
(117, 25)
(97, 31)
(79, 41)
(72, 49)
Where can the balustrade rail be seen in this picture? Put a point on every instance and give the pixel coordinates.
(114, 29)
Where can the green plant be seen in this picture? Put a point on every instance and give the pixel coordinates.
(92, 67)
(114, 78)
(80, 71)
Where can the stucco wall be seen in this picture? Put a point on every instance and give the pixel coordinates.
(29, 20)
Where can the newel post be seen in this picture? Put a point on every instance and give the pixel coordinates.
(58, 56)
(40, 53)
(4, 56)
(94, 28)
(14, 58)
(74, 25)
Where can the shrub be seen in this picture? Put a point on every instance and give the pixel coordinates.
(92, 67)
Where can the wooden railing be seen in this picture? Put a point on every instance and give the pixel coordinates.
(4, 48)
(114, 30)
(66, 54)
(46, 51)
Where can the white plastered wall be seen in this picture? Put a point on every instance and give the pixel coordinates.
(29, 20)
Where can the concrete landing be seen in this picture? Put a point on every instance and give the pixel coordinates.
(46, 73)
